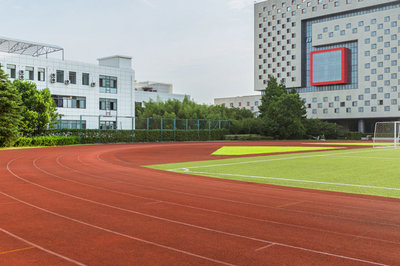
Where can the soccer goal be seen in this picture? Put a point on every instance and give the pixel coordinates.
(386, 134)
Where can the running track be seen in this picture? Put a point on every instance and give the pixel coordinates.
(96, 205)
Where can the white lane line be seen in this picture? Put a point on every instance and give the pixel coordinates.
(266, 160)
(212, 211)
(223, 199)
(41, 248)
(264, 247)
(169, 220)
(114, 232)
(294, 180)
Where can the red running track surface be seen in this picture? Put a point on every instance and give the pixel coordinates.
(97, 205)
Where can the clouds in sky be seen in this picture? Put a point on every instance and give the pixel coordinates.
(203, 47)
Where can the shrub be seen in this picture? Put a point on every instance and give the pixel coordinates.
(46, 141)
(243, 137)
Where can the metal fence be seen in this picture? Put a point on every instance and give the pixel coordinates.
(106, 129)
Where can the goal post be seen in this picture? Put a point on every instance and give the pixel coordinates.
(386, 134)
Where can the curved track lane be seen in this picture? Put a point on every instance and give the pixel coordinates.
(97, 205)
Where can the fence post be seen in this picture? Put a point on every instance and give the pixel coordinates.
(161, 129)
(198, 129)
(148, 128)
(219, 124)
(133, 129)
(80, 129)
(209, 129)
(186, 129)
(99, 128)
(60, 124)
(174, 129)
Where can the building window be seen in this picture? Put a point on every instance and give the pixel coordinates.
(72, 77)
(342, 104)
(108, 104)
(41, 74)
(60, 76)
(11, 71)
(348, 110)
(325, 111)
(360, 109)
(314, 111)
(29, 73)
(336, 110)
(325, 99)
(230, 104)
(348, 98)
(336, 98)
(85, 78)
(373, 109)
(71, 124)
(108, 84)
(387, 108)
(319, 105)
(367, 103)
(256, 103)
(354, 103)
(69, 101)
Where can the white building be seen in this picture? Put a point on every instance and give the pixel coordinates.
(250, 102)
(86, 94)
(342, 56)
(155, 91)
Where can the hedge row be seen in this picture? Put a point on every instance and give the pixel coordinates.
(90, 136)
(46, 141)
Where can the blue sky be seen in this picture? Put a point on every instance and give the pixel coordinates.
(203, 47)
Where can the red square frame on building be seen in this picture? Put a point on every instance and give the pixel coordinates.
(344, 67)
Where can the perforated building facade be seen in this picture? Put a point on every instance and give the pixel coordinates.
(342, 56)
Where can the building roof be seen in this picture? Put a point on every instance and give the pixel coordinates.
(22, 47)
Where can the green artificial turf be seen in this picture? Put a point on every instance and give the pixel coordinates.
(362, 171)
(245, 150)
(350, 143)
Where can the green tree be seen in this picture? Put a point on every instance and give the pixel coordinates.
(10, 109)
(188, 109)
(283, 112)
(39, 109)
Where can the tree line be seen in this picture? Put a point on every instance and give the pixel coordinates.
(282, 115)
(24, 110)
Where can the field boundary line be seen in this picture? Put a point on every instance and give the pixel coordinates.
(264, 160)
(154, 201)
(293, 180)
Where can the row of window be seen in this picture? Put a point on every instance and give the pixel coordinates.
(360, 97)
(80, 102)
(107, 84)
(69, 101)
(78, 124)
(355, 103)
(240, 104)
(349, 109)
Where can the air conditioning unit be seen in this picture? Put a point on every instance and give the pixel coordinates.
(66, 82)
(53, 78)
(93, 84)
(21, 74)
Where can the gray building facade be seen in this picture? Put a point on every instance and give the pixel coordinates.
(342, 56)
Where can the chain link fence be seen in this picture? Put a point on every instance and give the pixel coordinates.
(116, 129)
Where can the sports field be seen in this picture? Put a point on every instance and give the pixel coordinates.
(99, 205)
(364, 171)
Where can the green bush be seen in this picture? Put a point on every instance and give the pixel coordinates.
(247, 137)
(353, 135)
(46, 141)
(91, 136)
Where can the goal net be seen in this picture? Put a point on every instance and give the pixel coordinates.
(386, 134)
